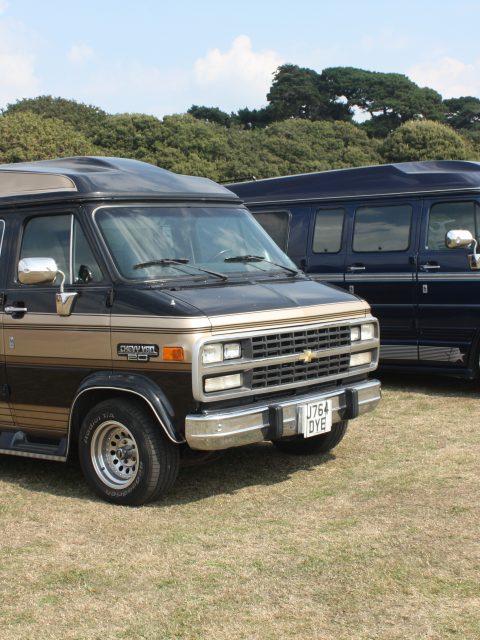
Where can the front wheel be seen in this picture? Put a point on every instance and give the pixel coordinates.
(317, 444)
(124, 456)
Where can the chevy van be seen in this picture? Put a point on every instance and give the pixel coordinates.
(145, 314)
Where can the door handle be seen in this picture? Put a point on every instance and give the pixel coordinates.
(356, 267)
(429, 267)
(11, 310)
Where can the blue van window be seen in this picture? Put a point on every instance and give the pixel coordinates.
(382, 228)
(276, 224)
(327, 235)
(450, 215)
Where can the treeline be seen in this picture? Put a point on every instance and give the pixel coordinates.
(309, 124)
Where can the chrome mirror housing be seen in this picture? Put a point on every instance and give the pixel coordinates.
(456, 238)
(44, 271)
(37, 270)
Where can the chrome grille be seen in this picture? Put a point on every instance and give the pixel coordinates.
(286, 343)
(296, 372)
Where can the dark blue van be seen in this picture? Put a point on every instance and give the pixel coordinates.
(379, 232)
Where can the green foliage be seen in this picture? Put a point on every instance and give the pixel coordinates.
(210, 114)
(463, 113)
(26, 136)
(84, 118)
(130, 135)
(297, 92)
(389, 98)
(426, 140)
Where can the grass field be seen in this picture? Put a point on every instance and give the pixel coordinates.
(379, 540)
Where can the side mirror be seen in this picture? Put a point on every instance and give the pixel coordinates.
(456, 238)
(44, 271)
(37, 270)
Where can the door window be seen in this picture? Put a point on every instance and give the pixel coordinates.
(276, 224)
(382, 228)
(327, 234)
(61, 238)
(451, 215)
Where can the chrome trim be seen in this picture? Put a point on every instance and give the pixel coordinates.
(199, 370)
(398, 352)
(38, 456)
(460, 275)
(441, 354)
(247, 425)
(375, 277)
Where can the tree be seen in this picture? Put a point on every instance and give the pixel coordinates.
(210, 114)
(426, 140)
(28, 136)
(85, 118)
(130, 135)
(297, 92)
(389, 98)
(463, 113)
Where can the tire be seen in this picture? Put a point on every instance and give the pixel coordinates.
(317, 444)
(124, 456)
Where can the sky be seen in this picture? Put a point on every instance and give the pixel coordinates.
(160, 57)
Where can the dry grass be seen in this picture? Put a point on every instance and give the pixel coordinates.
(378, 541)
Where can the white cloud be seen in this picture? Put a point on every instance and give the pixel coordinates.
(450, 77)
(237, 77)
(17, 63)
(3, 6)
(80, 53)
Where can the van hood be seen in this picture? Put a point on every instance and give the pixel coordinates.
(260, 303)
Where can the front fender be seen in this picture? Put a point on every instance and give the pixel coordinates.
(136, 385)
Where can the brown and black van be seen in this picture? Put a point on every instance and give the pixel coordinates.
(146, 314)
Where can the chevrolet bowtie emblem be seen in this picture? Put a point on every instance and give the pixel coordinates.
(307, 356)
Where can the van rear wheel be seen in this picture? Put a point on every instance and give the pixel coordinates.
(124, 456)
(317, 444)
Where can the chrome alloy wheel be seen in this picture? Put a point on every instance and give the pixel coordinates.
(114, 454)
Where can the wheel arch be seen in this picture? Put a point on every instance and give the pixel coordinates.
(104, 385)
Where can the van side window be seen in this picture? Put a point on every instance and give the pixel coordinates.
(327, 234)
(451, 215)
(61, 238)
(384, 228)
(276, 224)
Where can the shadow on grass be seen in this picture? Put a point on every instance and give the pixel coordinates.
(236, 469)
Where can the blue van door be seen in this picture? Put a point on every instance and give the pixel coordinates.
(448, 291)
(381, 267)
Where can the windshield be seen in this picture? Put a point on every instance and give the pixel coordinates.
(155, 242)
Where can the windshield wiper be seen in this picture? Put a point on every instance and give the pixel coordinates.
(177, 262)
(252, 258)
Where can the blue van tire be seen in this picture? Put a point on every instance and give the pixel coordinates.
(317, 444)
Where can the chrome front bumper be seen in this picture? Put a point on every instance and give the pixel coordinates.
(210, 431)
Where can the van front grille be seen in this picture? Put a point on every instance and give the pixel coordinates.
(295, 372)
(286, 343)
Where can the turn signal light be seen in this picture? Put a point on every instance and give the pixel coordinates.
(173, 354)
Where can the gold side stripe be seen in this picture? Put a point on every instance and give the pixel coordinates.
(41, 423)
(63, 411)
(59, 362)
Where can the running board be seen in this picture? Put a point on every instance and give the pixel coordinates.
(16, 443)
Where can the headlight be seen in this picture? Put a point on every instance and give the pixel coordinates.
(218, 352)
(359, 359)
(220, 383)
(362, 332)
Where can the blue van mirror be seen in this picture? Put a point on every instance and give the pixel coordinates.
(456, 238)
